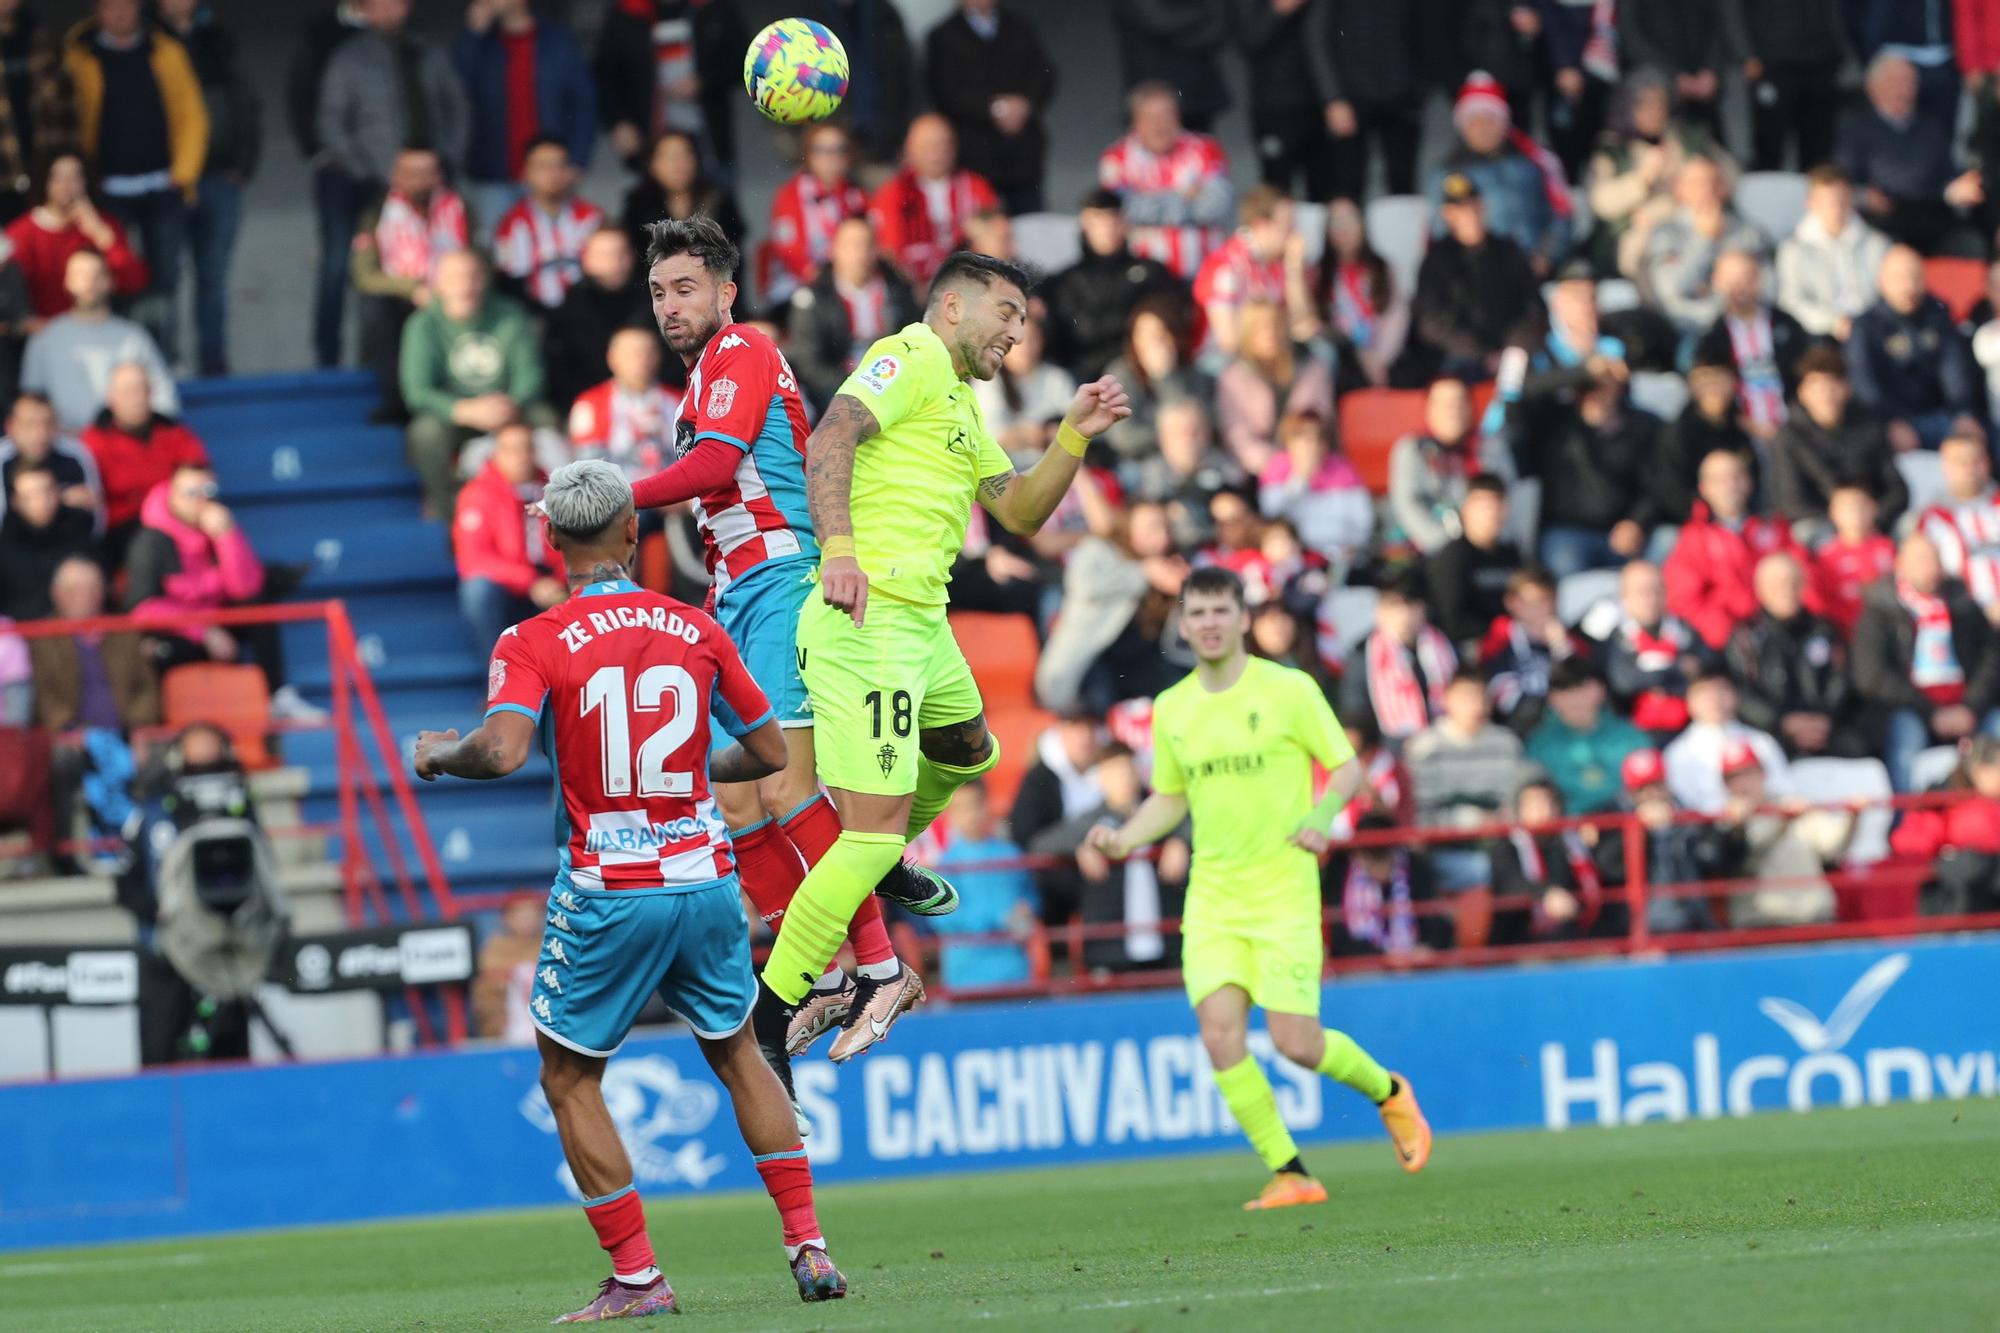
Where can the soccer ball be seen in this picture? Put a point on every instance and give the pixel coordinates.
(795, 71)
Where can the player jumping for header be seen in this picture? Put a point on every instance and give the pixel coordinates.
(891, 473)
(617, 682)
(1234, 744)
(740, 440)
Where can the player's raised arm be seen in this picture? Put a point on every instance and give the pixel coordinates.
(829, 483)
(1157, 816)
(1022, 501)
(497, 747)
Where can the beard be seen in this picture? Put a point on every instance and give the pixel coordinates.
(694, 335)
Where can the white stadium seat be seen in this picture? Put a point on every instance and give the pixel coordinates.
(1346, 615)
(1932, 766)
(1577, 593)
(1616, 294)
(1661, 392)
(1773, 200)
(1049, 241)
(1924, 475)
(1399, 227)
(1824, 781)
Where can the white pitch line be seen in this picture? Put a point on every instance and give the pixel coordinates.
(45, 1267)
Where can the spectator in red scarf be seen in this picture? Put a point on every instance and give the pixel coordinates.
(506, 572)
(807, 209)
(1760, 340)
(856, 299)
(1554, 869)
(539, 242)
(629, 418)
(1367, 312)
(1398, 674)
(1856, 555)
(1710, 572)
(1381, 893)
(396, 254)
(1526, 193)
(63, 221)
(1924, 657)
(136, 450)
(921, 211)
(1521, 648)
(1648, 656)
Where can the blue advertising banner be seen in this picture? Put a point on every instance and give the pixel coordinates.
(977, 1088)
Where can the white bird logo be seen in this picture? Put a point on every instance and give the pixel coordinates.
(1814, 1036)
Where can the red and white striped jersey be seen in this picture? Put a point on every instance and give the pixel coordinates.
(619, 680)
(742, 392)
(1967, 537)
(633, 430)
(545, 253)
(1179, 203)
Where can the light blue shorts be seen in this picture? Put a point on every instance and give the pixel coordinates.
(605, 952)
(760, 614)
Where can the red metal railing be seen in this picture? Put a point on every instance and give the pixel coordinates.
(356, 709)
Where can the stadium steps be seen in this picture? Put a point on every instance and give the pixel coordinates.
(314, 484)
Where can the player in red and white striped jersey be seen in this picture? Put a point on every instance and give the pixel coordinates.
(617, 683)
(539, 241)
(1175, 183)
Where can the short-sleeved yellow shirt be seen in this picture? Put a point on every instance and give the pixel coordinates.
(1243, 757)
(916, 479)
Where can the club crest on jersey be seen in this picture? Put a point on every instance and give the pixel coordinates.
(880, 373)
(721, 397)
(496, 679)
(886, 757)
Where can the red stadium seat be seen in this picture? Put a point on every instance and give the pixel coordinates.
(1002, 651)
(1959, 283)
(228, 695)
(1017, 728)
(1371, 421)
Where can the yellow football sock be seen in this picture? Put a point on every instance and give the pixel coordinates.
(1255, 1107)
(935, 784)
(1345, 1062)
(810, 932)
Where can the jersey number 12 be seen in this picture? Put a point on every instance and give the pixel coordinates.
(604, 692)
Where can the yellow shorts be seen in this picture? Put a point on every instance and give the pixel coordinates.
(1279, 966)
(875, 687)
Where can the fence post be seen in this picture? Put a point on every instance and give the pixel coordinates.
(351, 848)
(1639, 934)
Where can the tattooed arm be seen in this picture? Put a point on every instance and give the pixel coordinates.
(1023, 501)
(496, 748)
(829, 482)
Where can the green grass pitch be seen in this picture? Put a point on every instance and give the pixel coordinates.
(1870, 1219)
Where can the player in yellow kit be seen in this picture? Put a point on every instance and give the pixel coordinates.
(1234, 745)
(892, 471)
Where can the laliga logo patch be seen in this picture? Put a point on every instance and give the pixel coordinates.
(880, 373)
(496, 679)
(721, 397)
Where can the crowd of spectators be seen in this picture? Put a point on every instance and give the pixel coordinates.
(1728, 449)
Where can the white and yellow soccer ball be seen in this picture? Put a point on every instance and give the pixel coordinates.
(796, 72)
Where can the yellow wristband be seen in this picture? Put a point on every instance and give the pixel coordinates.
(833, 548)
(1073, 442)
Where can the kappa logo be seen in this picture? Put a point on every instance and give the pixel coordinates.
(721, 397)
(539, 1007)
(496, 678)
(560, 922)
(555, 947)
(568, 900)
(551, 980)
(732, 340)
(658, 1114)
